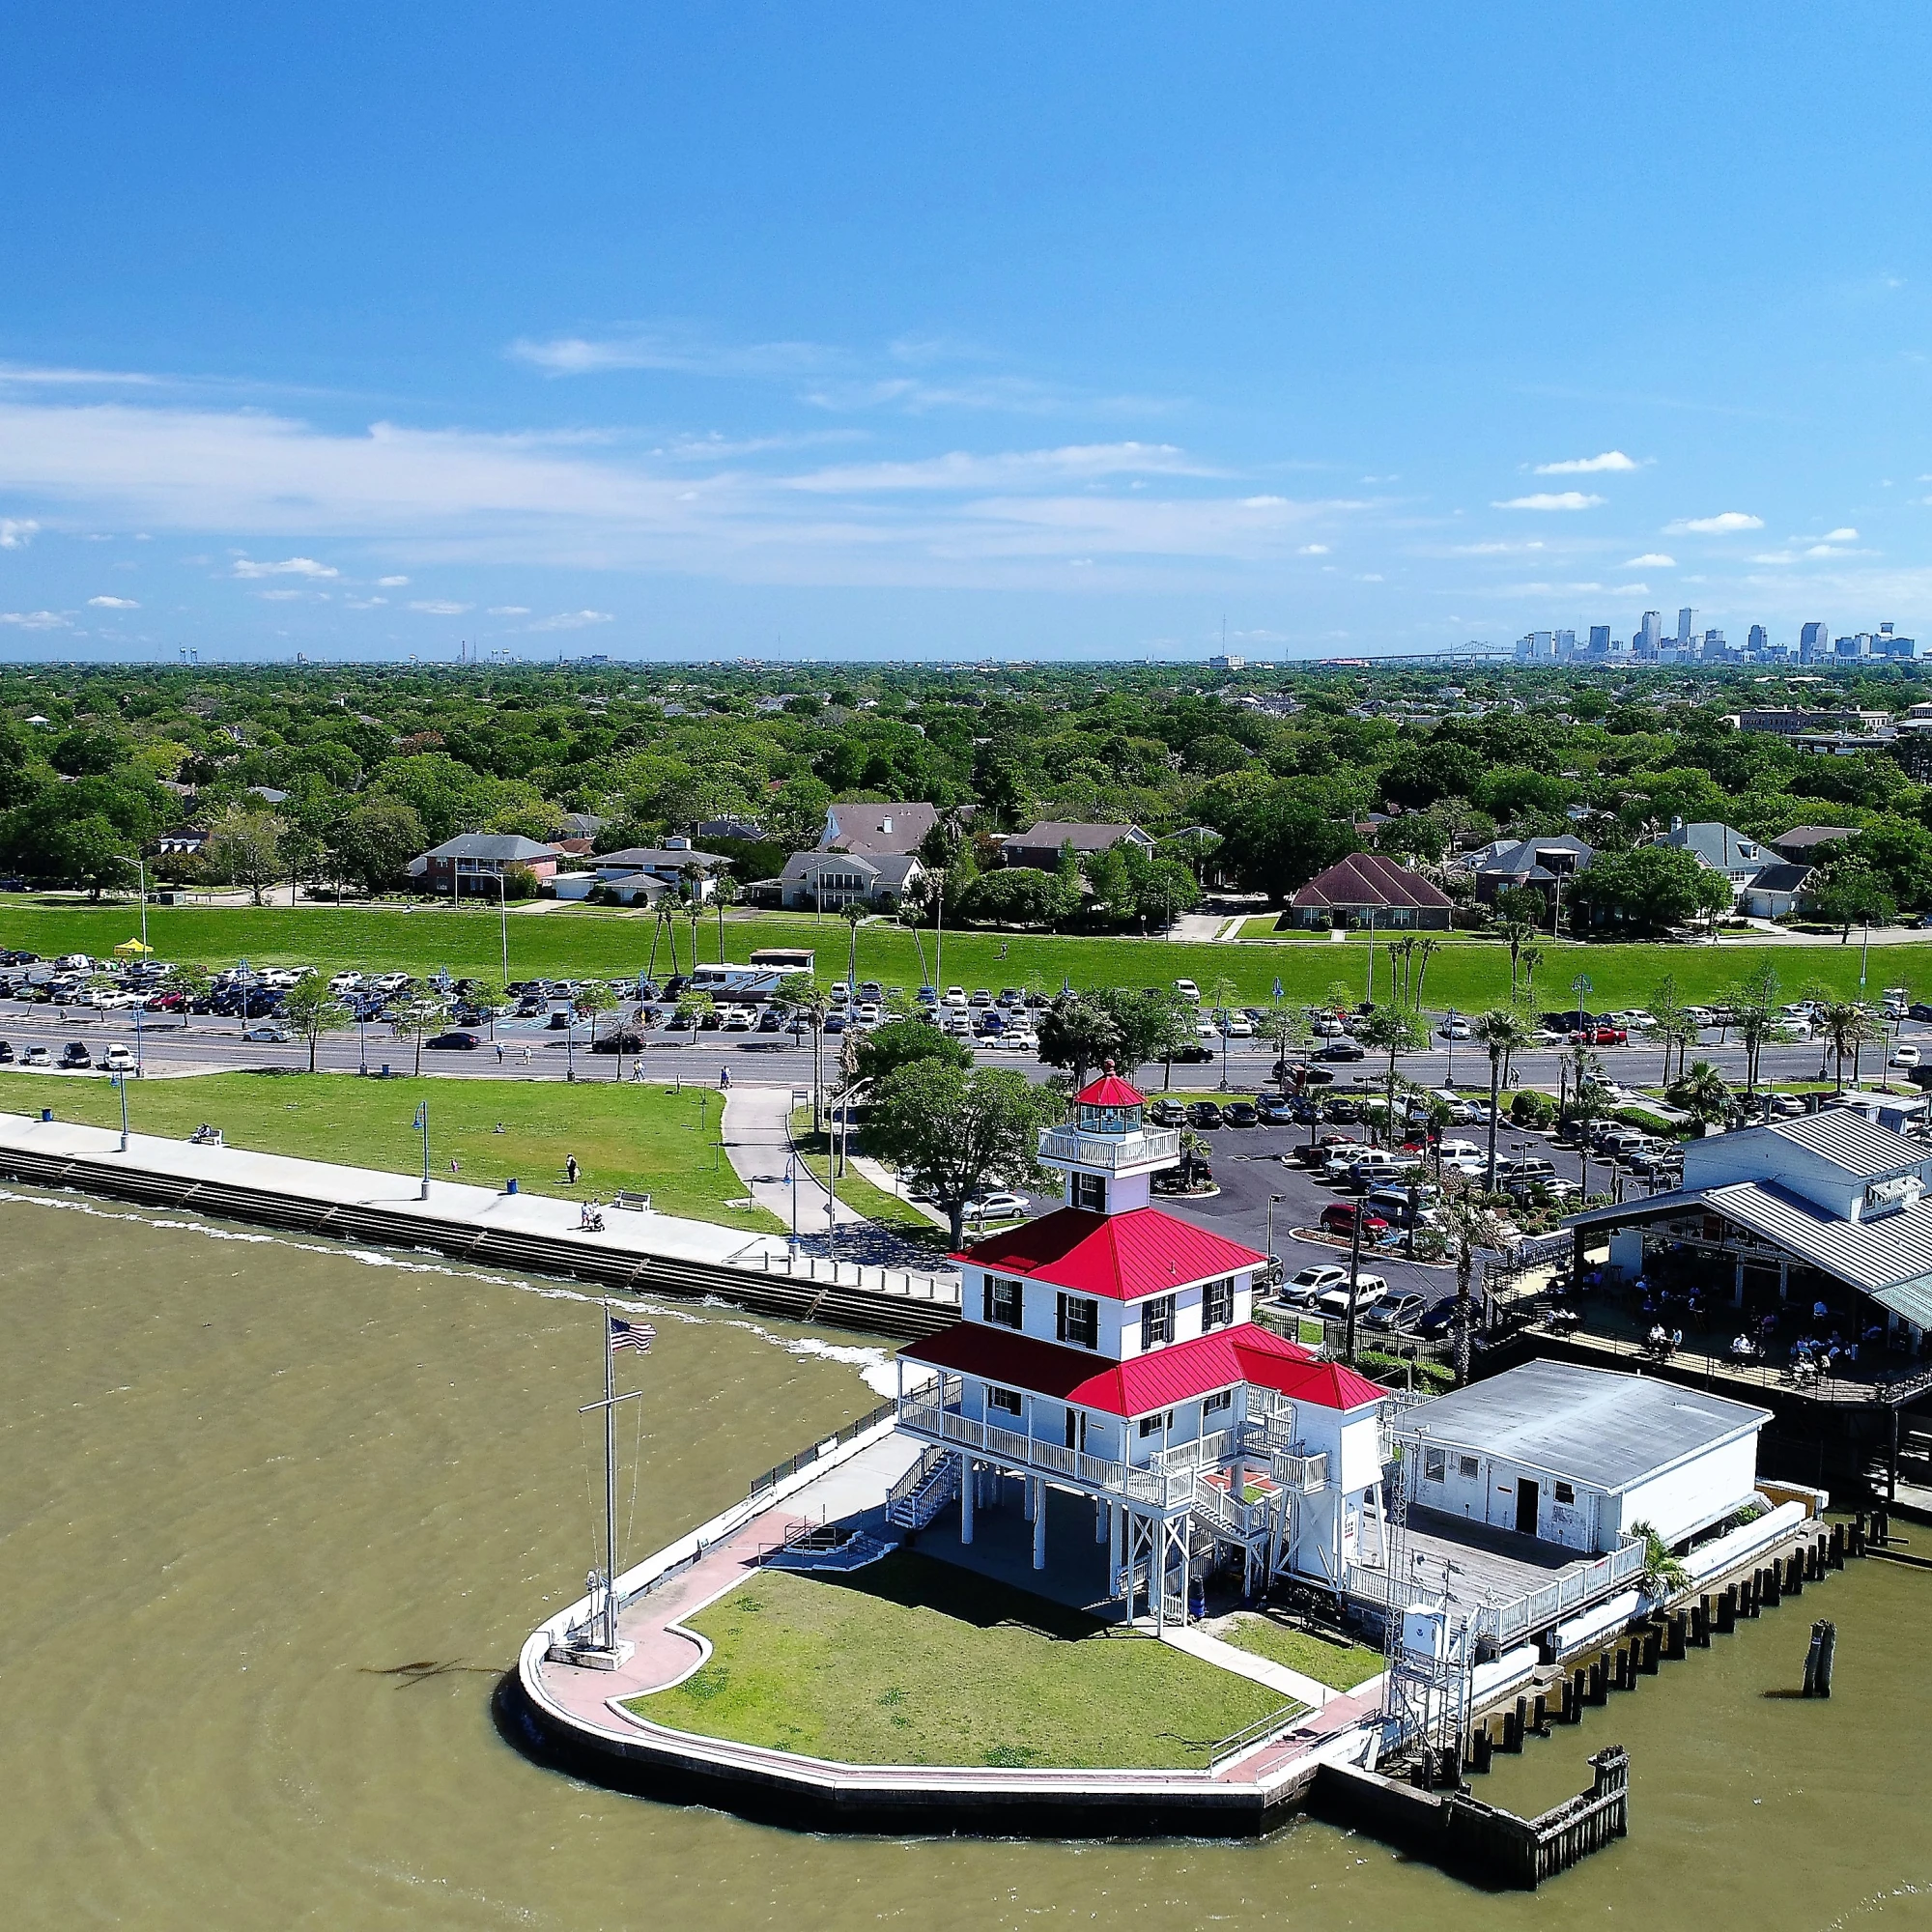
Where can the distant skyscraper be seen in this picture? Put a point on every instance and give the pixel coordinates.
(1647, 640)
(1566, 644)
(1814, 642)
(1758, 642)
(1687, 625)
(1599, 640)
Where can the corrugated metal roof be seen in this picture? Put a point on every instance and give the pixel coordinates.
(1123, 1257)
(1597, 1427)
(1854, 1143)
(1151, 1383)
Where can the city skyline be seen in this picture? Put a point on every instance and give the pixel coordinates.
(837, 339)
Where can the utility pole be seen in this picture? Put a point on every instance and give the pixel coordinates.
(503, 906)
(422, 1126)
(1354, 1276)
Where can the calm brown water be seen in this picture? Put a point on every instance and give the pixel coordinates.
(243, 1479)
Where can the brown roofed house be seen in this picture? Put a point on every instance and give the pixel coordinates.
(1368, 885)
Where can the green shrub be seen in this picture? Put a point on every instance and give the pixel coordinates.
(1531, 1109)
(1433, 1376)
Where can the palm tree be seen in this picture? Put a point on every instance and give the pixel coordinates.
(1703, 1093)
(800, 995)
(853, 913)
(724, 893)
(1516, 934)
(1532, 959)
(1467, 1224)
(1426, 949)
(1846, 1026)
(1401, 956)
(1503, 1033)
(1393, 1031)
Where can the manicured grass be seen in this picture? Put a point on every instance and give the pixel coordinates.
(640, 1136)
(1341, 1666)
(917, 1662)
(858, 1193)
(1468, 972)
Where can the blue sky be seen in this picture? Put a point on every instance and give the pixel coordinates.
(883, 331)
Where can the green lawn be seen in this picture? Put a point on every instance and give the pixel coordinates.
(859, 1193)
(1469, 972)
(1339, 1666)
(917, 1662)
(637, 1136)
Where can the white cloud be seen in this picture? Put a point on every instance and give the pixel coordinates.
(1586, 466)
(1550, 499)
(586, 355)
(34, 620)
(16, 532)
(1839, 536)
(290, 566)
(1652, 559)
(391, 583)
(363, 603)
(438, 607)
(509, 610)
(959, 470)
(1313, 550)
(571, 620)
(1723, 524)
(1495, 548)
(278, 596)
(1774, 557)
(26, 376)
(113, 604)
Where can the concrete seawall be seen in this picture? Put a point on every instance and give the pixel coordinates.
(643, 1252)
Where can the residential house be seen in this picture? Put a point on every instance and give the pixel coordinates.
(1719, 848)
(668, 865)
(472, 862)
(731, 826)
(1369, 887)
(1039, 845)
(824, 881)
(1773, 893)
(873, 830)
(1540, 865)
(184, 841)
(1800, 843)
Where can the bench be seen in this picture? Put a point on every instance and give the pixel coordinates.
(637, 1204)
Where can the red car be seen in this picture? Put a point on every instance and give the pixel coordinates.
(1608, 1035)
(167, 1002)
(1339, 1219)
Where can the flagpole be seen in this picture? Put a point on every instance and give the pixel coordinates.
(610, 1484)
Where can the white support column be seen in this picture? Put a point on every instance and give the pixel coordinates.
(1039, 1523)
(1027, 1499)
(969, 1482)
(1116, 1517)
(1100, 1509)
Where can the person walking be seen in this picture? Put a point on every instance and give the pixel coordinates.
(500, 1053)
(570, 1169)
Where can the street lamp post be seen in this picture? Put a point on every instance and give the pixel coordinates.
(422, 1125)
(121, 1082)
(1272, 1199)
(503, 914)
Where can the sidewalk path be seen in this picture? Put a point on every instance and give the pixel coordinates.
(1294, 1684)
(888, 1182)
(758, 1143)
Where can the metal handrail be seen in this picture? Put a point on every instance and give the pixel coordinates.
(1151, 1145)
(1263, 1730)
(1157, 1487)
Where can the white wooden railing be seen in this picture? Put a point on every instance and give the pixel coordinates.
(1139, 1150)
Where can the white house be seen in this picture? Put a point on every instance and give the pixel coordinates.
(1108, 1349)
(1579, 1457)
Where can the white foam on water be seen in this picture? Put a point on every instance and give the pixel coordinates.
(873, 1363)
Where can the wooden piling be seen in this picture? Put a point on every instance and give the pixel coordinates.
(1676, 1633)
(1700, 1623)
(1826, 1656)
(1773, 1591)
(1834, 1554)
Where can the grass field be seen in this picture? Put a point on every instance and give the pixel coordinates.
(642, 1137)
(917, 1662)
(1339, 1666)
(1469, 972)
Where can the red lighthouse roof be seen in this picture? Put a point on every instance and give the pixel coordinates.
(1123, 1257)
(1109, 1091)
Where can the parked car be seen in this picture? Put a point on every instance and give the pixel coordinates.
(1188, 990)
(269, 1036)
(1168, 1114)
(1238, 1026)
(1334, 1305)
(1904, 1056)
(1339, 1219)
(1394, 1313)
(1301, 1290)
(118, 1059)
(1455, 1030)
(1343, 1049)
(459, 1042)
(76, 1054)
(997, 1207)
(1240, 1114)
(37, 1056)
(6, 1053)
(1274, 1111)
(1204, 1115)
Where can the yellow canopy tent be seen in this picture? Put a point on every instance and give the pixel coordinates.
(131, 948)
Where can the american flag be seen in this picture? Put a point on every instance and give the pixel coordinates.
(638, 1335)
